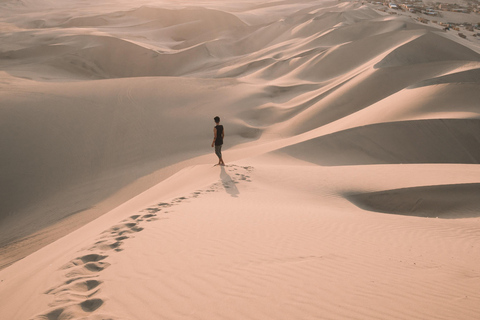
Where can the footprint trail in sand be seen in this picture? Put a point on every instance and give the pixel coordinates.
(79, 295)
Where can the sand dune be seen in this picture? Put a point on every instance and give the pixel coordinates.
(462, 76)
(421, 141)
(445, 201)
(178, 259)
(415, 52)
(75, 135)
(346, 130)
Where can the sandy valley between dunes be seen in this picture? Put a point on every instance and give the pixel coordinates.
(352, 184)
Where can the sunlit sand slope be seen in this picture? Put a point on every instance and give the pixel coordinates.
(348, 132)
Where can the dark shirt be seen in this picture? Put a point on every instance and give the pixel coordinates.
(219, 139)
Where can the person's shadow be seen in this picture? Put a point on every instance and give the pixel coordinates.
(228, 183)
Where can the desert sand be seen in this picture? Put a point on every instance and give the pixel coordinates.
(352, 184)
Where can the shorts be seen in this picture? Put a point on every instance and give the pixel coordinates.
(218, 151)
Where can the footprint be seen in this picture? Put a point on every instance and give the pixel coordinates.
(65, 298)
(52, 315)
(179, 200)
(106, 245)
(134, 217)
(150, 217)
(109, 246)
(74, 310)
(76, 285)
(82, 260)
(129, 226)
(88, 269)
(121, 229)
(85, 286)
(163, 204)
(96, 266)
(91, 305)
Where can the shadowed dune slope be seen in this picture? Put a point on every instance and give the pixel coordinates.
(442, 201)
(467, 76)
(430, 47)
(420, 141)
(345, 127)
(92, 138)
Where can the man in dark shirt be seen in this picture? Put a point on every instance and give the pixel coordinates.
(218, 134)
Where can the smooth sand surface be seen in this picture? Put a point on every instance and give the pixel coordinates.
(352, 145)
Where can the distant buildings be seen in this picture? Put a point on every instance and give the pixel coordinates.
(418, 6)
(432, 10)
(456, 8)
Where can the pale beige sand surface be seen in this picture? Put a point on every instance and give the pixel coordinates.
(262, 240)
(351, 189)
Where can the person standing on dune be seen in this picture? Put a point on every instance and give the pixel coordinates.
(218, 134)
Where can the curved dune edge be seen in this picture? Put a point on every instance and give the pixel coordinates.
(414, 141)
(71, 142)
(333, 110)
(258, 234)
(310, 69)
(444, 201)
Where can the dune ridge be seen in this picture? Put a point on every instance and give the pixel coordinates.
(347, 131)
(428, 201)
(417, 141)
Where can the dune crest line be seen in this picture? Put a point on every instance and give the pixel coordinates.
(356, 124)
(79, 296)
